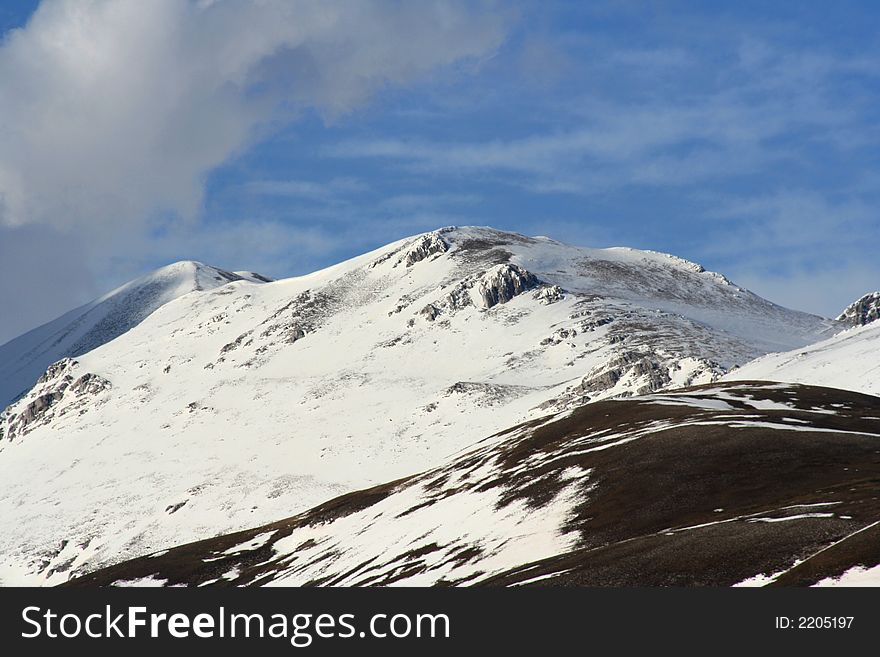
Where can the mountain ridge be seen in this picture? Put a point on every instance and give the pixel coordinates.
(235, 405)
(24, 358)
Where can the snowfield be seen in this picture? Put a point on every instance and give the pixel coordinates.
(850, 360)
(213, 401)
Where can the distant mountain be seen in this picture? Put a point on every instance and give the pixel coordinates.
(737, 484)
(25, 358)
(246, 403)
(849, 360)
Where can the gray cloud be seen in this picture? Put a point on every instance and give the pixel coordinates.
(113, 111)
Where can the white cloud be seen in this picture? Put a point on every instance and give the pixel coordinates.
(619, 144)
(111, 111)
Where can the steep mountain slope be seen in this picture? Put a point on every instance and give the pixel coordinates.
(750, 484)
(246, 403)
(25, 358)
(850, 360)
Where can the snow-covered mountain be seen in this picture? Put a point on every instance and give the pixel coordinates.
(245, 403)
(735, 484)
(850, 360)
(24, 359)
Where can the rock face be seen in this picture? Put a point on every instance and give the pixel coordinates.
(488, 288)
(423, 247)
(549, 294)
(61, 389)
(426, 246)
(503, 282)
(861, 312)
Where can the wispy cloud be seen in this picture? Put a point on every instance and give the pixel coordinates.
(752, 152)
(307, 189)
(659, 141)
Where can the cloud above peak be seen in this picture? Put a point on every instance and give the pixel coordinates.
(113, 112)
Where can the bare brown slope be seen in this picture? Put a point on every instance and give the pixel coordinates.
(708, 486)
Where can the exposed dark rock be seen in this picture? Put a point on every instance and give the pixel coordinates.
(430, 312)
(503, 283)
(559, 336)
(457, 298)
(549, 294)
(487, 394)
(629, 362)
(294, 333)
(861, 312)
(235, 344)
(601, 382)
(38, 407)
(424, 247)
(90, 384)
(57, 383)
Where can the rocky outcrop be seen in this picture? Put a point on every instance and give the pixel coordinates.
(421, 248)
(559, 336)
(647, 369)
(496, 285)
(861, 312)
(503, 282)
(58, 390)
(426, 246)
(548, 294)
(430, 312)
(294, 333)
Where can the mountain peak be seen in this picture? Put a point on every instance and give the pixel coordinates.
(25, 358)
(862, 311)
(363, 372)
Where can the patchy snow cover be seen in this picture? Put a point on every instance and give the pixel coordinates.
(857, 576)
(243, 403)
(562, 500)
(253, 544)
(142, 582)
(506, 537)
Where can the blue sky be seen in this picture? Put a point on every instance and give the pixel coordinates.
(740, 135)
